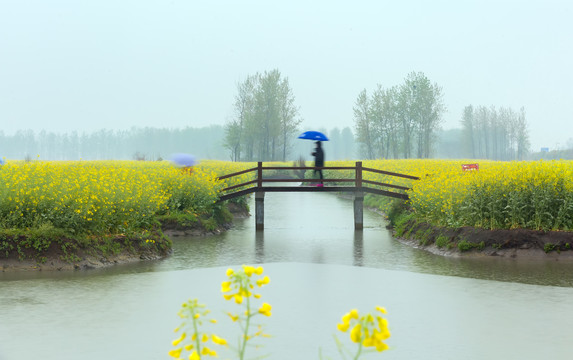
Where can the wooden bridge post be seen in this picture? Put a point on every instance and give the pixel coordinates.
(259, 200)
(358, 199)
(260, 210)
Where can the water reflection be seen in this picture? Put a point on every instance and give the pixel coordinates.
(259, 247)
(358, 248)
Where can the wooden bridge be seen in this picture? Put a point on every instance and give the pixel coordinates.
(357, 186)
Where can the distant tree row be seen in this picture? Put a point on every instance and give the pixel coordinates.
(136, 143)
(265, 119)
(150, 144)
(497, 134)
(399, 122)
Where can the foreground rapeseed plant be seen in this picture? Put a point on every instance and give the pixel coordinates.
(366, 331)
(239, 288)
(192, 339)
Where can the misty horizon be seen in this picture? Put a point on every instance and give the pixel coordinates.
(68, 66)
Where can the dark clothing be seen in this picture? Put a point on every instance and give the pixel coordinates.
(318, 160)
(319, 171)
(318, 156)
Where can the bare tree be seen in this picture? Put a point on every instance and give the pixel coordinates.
(363, 124)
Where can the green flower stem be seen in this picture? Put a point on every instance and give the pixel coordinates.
(246, 334)
(196, 330)
(359, 352)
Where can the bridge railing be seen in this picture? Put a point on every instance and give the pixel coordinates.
(357, 184)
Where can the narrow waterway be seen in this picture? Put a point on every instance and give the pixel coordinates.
(320, 268)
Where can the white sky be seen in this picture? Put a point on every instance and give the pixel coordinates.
(87, 65)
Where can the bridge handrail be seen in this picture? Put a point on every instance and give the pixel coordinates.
(358, 180)
(237, 173)
(390, 173)
(386, 185)
(240, 185)
(308, 167)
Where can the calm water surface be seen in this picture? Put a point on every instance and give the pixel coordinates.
(439, 308)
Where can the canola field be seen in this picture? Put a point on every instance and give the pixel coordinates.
(105, 197)
(534, 195)
(115, 197)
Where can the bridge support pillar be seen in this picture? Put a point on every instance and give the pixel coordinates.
(358, 210)
(260, 210)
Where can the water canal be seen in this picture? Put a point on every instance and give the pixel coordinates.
(320, 268)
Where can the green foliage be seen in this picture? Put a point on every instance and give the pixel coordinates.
(209, 224)
(442, 241)
(423, 236)
(29, 243)
(6, 247)
(549, 247)
(221, 214)
(186, 219)
(401, 222)
(393, 207)
(464, 245)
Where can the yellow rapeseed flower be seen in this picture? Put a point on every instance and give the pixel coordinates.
(175, 353)
(217, 340)
(265, 309)
(177, 341)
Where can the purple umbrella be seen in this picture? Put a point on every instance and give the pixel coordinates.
(183, 160)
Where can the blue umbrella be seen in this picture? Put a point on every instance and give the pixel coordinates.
(183, 160)
(313, 135)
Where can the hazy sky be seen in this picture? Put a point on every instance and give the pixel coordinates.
(87, 65)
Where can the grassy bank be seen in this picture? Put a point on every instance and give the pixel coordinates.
(503, 205)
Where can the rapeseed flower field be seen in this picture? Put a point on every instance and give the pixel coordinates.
(104, 197)
(115, 197)
(535, 195)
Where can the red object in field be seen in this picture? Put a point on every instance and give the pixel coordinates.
(466, 167)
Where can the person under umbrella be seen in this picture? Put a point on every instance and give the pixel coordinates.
(318, 162)
(318, 153)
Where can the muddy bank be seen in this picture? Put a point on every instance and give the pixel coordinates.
(475, 242)
(86, 262)
(68, 254)
(71, 254)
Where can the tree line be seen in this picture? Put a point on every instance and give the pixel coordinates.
(497, 134)
(137, 143)
(265, 119)
(149, 144)
(401, 121)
